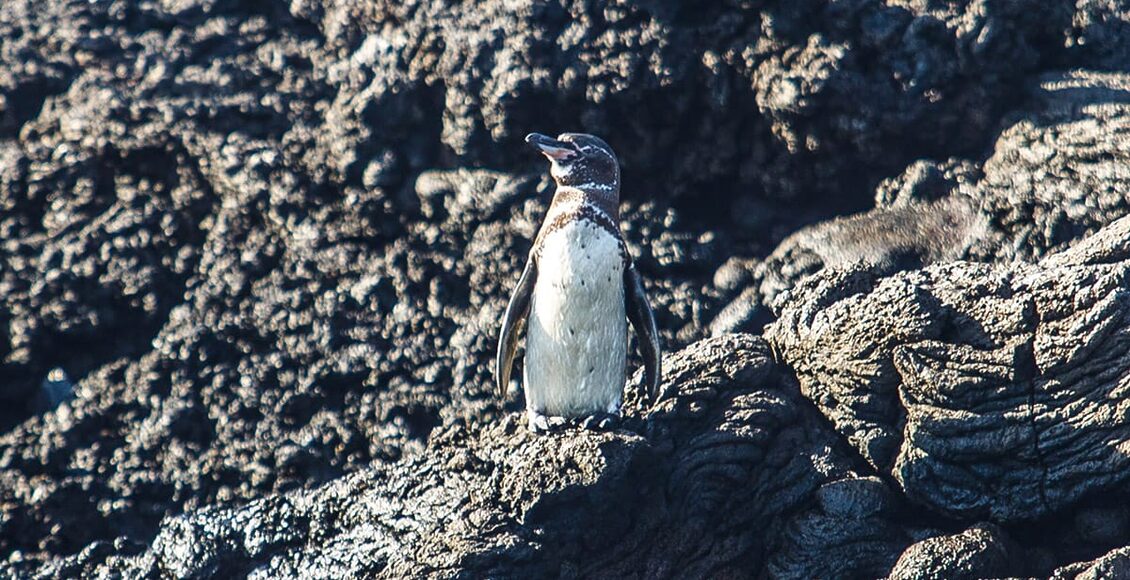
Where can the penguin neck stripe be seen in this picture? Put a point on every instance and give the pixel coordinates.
(593, 185)
(579, 206)
(606, 201)
(575, 211)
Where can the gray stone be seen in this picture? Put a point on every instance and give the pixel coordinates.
(1114, 564)
(1057, 174)
(980, 388)
(269, 244)
(982, 551)
(719, 467)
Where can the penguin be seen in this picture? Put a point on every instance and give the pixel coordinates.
(578, 290)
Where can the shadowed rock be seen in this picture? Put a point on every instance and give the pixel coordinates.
(731, 472)
(1115, 564)
(251, 236)
(1059, 171)
(853, 530)
(1057, 174)
(987, 391)
(982, 551)
(779, 100)
(713, 482)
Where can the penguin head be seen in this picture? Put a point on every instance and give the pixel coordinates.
(581, 161)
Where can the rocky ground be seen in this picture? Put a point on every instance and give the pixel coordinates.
(253, 257)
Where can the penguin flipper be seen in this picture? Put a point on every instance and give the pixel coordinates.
(643, 321)
(516, 313)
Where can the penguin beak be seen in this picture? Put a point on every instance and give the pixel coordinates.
(550, 147)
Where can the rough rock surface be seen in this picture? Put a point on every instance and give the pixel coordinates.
(1115, 564)
(1050, 180)
(252, 256)
(986, 391)
(703, 485)
(760, 89)
(979, 552)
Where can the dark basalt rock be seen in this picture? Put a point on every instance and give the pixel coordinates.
(1115, 564)
(268, 244)
(1056, 174)
(979, 388)
(702, 485)
(781, 98)
(983, 551)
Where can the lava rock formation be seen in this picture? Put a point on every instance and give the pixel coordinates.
(253, 257)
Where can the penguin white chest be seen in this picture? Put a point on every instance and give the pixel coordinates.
(577, 335)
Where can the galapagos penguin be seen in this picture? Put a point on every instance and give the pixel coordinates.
(578, 290)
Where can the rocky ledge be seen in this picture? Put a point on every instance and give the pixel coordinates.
(962, 394)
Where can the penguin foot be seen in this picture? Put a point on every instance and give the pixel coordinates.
(540, 423)
(599, 422)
